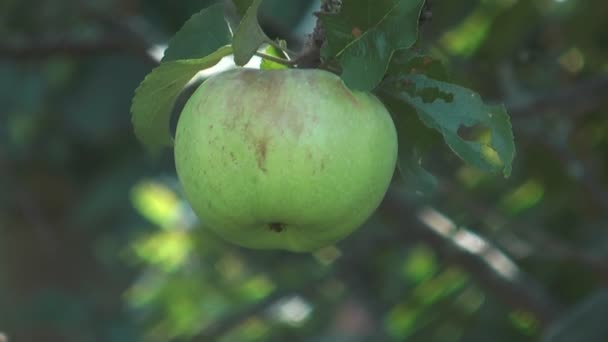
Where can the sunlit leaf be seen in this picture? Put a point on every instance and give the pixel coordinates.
(156, 95)
(420, 265)
(167, 250)
(523, 197)
(256, 287)
(156, 202)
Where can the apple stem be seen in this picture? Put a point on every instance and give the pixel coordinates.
(276, 59)
(282, 48)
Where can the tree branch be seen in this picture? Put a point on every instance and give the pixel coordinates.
(225, 324)
(482, 260)
(119, 37)
(492, 269)
(544, 245)
(42, 49)
(310, 57)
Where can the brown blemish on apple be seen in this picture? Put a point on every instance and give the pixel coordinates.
(260, 97)
(294, 123)
(246, 75)
(279, 115)
(239, 85)
(259, 145)
(246, 127)
(237, 110)
(267, 95)
(276, 226)
(261, 148)
(311, 81)
(348, 93)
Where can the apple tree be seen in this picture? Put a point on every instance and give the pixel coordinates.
(298, 154)
(306, 170)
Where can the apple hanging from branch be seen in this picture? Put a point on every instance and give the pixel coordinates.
(284, 159)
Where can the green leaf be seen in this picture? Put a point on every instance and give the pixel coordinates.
(410, 62)
(365, 34)
(204, 33)
(270, 65)
(248, 36)
(156, 95)
(242, 6)
(480, 134)
(414, 140)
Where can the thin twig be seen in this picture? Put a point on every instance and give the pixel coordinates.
(278, 46)
(279, 60)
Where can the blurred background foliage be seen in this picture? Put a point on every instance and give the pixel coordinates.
(98, 244)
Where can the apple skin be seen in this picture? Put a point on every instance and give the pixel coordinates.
(283, 159)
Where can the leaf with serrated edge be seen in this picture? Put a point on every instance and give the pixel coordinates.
(365, 34)
(201, 35)
(448, 108)
(248, 36)
(154, 98)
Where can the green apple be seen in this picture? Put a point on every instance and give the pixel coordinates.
(285, 159)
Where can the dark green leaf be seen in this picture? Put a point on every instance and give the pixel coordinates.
(480, 134)
(204, 33)
(414, 139)
(585, 323)
(242, 6)
(156, 95)
(364, 35)
(248, 36)
(410, 62)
